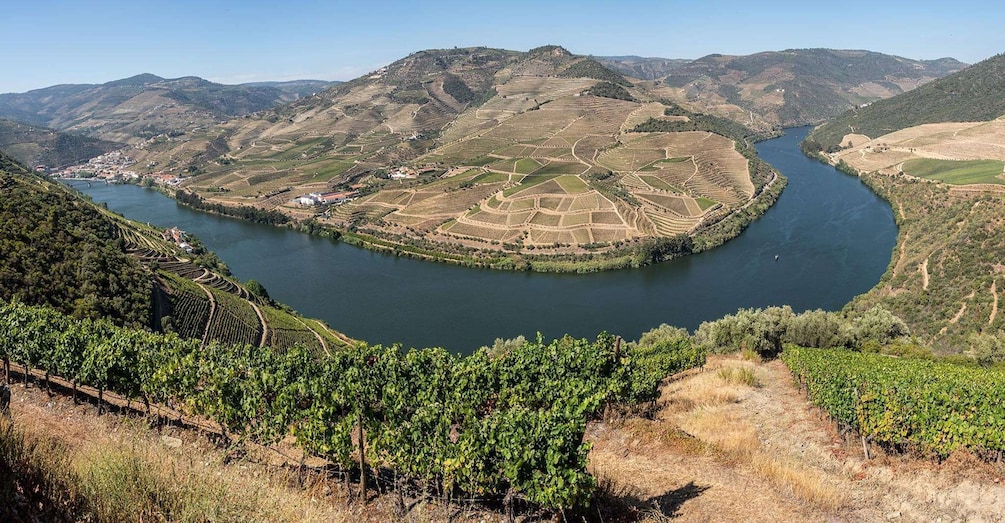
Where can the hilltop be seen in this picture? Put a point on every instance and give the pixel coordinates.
(971, 95)
(136, 108)
(797, 86)
(36, 145)
(487, 156)
(60, 250)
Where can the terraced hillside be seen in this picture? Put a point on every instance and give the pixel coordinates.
(194, 299)
(970, 95)
(60, 250)
(453, 152)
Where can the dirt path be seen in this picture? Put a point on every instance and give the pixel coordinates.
(994, 304)
(321, 340)
(924, 274)
(900, 257)
(212, 313)
(721, 451)
(959, 313)
(265, 324)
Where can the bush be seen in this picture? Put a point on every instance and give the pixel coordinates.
(816, 329)
(877, 324)
(987, 349)
(754, 329)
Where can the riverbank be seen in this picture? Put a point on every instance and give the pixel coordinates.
(632, 254)
(945, 270)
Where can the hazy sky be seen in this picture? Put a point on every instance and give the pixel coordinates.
(47, 42)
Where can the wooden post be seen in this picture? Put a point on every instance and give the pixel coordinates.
(865, 448)
(508, 504)
(4, 399)
(362, 457)
(400, 507)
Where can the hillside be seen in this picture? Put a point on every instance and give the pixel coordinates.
(140, 107)
(60, 250)
(35, 145)
(797, 86)
(482, 156)
(641, 67)
(945, 182)
(974, 94)
(295, 89)
(710, 441)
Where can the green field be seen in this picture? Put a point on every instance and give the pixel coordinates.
(658, 183)
(957, 172)
(561, 168)
(526, 165)
(705, 203)
(572, 184)
(659, 164)
(490, 178)
(527, 183)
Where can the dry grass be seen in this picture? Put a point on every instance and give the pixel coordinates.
(707, 416)
(808, 484)
(721, 428)
(703, 390)
(119, 470)
(727, 428)
(739, 376)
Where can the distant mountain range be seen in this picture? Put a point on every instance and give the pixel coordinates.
(784, 88)
(640, 67)
(133, 109)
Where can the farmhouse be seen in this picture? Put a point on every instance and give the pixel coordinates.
(308, 200)
(337, 198)
(177, 236)
(403, 173)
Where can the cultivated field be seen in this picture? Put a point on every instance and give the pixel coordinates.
(562, 177)
(954, 153)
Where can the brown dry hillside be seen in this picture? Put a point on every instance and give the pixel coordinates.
(476, 150)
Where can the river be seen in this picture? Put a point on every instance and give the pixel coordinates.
(832, 235)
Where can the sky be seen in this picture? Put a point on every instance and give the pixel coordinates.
(49, 42)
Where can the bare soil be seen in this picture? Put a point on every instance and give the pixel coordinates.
(717, 451)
